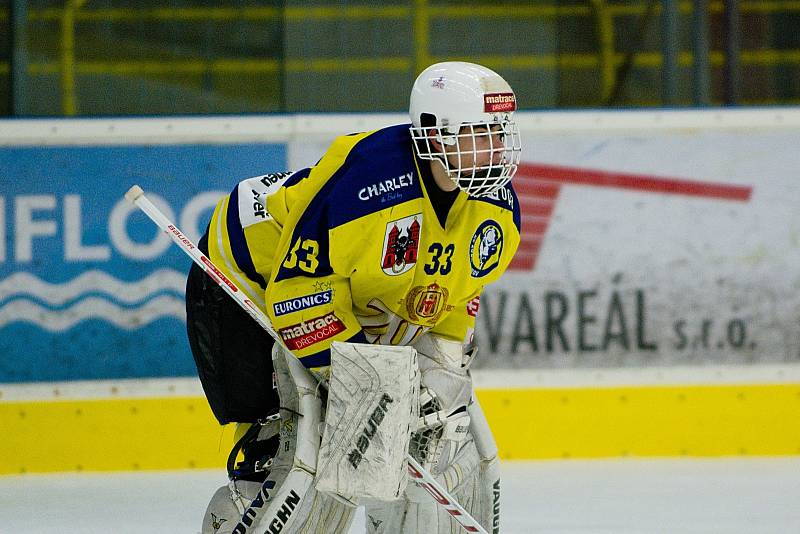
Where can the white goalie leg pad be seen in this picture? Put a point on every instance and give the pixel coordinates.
(287, 502)
(487, 506)
(419, 513)
(372, 408)
(472, 481)
(453, 451)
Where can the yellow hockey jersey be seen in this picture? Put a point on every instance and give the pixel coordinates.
(352, 250)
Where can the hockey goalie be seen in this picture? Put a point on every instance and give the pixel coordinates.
(370, 267)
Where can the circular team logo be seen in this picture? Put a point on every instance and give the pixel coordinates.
(485, 248)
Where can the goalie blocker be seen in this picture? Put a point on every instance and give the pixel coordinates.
(372, 409)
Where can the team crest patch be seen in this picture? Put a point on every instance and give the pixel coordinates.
(400, 244)
(485, 248)
(427, 303)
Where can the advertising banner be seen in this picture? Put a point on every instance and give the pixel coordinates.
(89, 288)
(644, 248)
(642, 245)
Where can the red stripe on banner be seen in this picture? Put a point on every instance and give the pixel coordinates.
(529, 244)
(527, 218)
(537, 186)
(529, 186)
(638, 182)
(538, 227)
(540, 208)
(523, 261)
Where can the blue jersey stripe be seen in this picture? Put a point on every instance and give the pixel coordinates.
(296, 177)
(505, 198)
(241, 254)
(358, 187)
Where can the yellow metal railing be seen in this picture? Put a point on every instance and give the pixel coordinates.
(420, 12)
(605, 29)
(69, 100)
(422, 32)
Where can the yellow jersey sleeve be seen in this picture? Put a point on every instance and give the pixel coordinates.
(310, 303)
(239, 223)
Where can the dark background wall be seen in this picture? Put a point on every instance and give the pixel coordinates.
(122, 57)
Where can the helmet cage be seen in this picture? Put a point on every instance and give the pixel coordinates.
(473, 178)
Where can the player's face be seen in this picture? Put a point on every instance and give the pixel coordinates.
(477, 147)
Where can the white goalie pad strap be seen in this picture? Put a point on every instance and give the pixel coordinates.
(372, 409)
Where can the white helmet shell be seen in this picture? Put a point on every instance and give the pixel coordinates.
(457, 103)
(458, 93)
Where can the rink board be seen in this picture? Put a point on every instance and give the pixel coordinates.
(649, 238)
(652, 238)
(115, 426)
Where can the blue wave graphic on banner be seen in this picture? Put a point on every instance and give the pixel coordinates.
(23, 310)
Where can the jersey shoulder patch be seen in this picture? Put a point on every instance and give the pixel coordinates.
(252, 194)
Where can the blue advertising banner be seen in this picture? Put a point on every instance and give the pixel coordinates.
(89, 287)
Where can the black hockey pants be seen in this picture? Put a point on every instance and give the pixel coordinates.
(231, 351)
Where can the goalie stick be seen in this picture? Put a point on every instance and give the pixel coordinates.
(418, 474)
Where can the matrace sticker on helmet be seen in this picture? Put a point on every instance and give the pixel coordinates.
(499, 102)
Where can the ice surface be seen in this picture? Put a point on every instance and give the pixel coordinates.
(625, 496)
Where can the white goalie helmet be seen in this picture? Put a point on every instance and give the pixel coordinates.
(458, 104)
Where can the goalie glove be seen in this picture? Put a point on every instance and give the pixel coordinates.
(446, 391)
